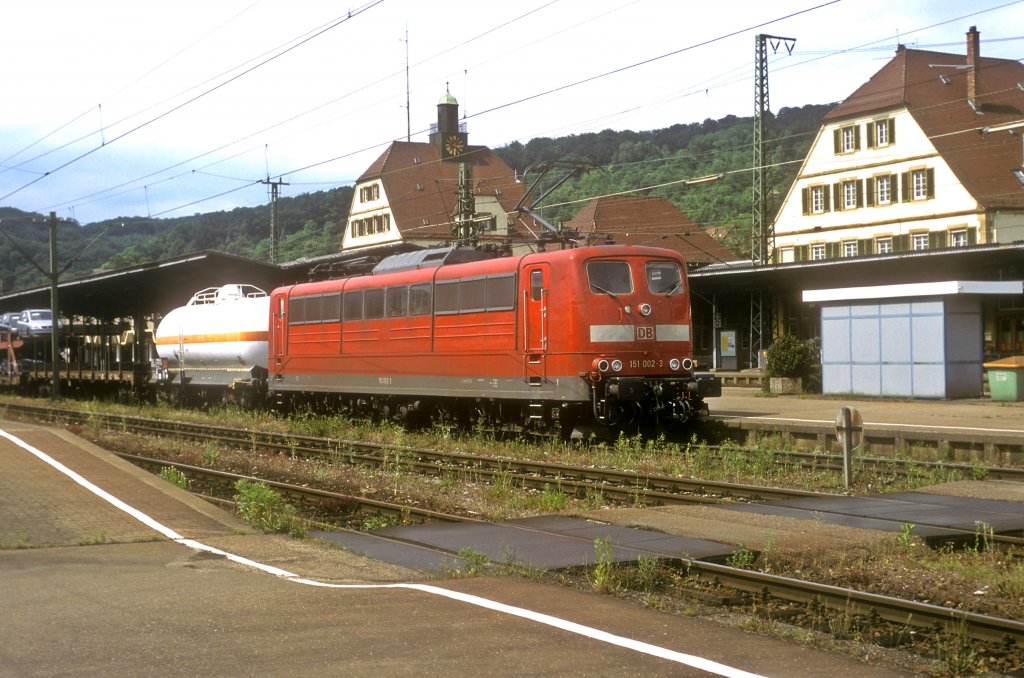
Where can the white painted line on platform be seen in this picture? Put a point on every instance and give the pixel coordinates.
(832, 422)
(556, 622)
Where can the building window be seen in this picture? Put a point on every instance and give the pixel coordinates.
(846, 139)
(883, 245)
(918, 184)
(883, 190)
(849, 248)
(958, 238)
(849, 195)
(817, 252)
(849, 139)
(881, 133)
(920, 179)
(817, 199)
(368, 193)
(920, 241)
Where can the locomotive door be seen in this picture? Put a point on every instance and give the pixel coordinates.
(280, 327)
(535, 322)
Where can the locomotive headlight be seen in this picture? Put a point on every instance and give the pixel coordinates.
(645, 309)
(687, 364)
(616, 366)
(602, 365)
(673, 364)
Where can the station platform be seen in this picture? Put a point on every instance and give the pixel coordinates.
(966, 430)
(976, 414)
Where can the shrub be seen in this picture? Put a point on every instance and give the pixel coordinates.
(791, 357)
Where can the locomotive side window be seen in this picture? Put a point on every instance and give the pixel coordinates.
(396, 301)
(473, 295)
(297, 311)
(353, 305)
(609, 277)
(373, 304)
(663, 277)
(332, 308)
(419, 299)
(446, 297)
(501, 292)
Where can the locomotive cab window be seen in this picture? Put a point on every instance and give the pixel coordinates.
(609, 277)
(536, 284)
(663, 277)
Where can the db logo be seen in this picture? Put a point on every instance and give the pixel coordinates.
(644, 333)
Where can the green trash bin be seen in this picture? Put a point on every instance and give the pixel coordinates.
(1005, 381)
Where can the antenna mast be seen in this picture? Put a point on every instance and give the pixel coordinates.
(408, 111)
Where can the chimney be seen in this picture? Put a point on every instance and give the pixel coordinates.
(973, 49)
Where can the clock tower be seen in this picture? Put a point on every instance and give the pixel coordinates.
(449, 138)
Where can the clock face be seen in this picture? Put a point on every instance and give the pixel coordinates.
(453, 145)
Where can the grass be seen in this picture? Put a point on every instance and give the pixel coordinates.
(266, 509)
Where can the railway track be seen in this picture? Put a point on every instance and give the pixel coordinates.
(1006, 632)
(613, 484)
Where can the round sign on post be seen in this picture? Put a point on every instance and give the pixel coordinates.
(849, 427)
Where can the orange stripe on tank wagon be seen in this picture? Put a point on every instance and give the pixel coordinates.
(223, 337)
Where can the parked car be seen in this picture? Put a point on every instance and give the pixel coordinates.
(8, 321)
(35, 322)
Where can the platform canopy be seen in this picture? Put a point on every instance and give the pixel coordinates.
(914, 290)
(148, 289)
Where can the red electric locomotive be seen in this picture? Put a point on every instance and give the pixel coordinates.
(571, 341)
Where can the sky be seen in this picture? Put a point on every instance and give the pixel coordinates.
(121, 108)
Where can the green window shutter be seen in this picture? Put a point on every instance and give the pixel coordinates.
(865, 246)
(856, 138)
(931, 182)
(892, 130)
(860, 193)
(869, 129)
(837, 141)
(837, 196)
(826, 198)
(936, 240)
(869, 191)
(801, 252)
(972, 235)
(833, 250)
(904, 187)
(901, 243)
(805, 198)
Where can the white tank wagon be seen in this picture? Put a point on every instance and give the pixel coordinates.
(217, 339)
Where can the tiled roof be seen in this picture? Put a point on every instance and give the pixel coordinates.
(422, 191)
(933, 87)
(653, 221)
